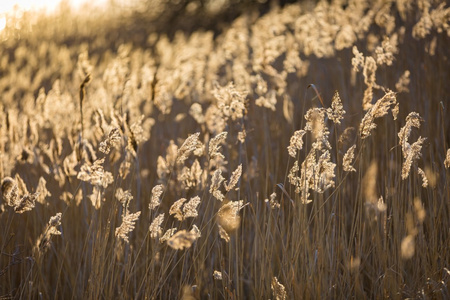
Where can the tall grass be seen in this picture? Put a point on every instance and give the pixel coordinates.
(296, 154)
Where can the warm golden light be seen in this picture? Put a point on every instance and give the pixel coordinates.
(2, 23)
(46, 5)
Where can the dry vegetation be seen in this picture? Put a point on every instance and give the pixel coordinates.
(302, 153)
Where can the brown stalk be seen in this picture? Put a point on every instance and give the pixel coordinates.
(86, 80)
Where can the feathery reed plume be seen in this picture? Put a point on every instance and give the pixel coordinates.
(348, 159)
(273, 201)
(369, 71)
(155, 201)
(184, 239)
(378, 110)
(412, 155)
(403, 82)
(411, 152)
(190, 145)
(278, 290)
(296, 143)
(230, 101)
(294, 179)
(16, 195)
(124, 197)
(424, 177)
(96, 176)
(316, 174)
(423, 27)
(315, 123)
(191, 177)
(223, 234)
(189, 208)
(412, 120)
(128, 224)
(395, 111)
(228, 215)
(357, 60)
(336, 112)
(447, 159)
(324, 173)
(113, 140)
(381, 206)
(139, 132)
(10, 191)
(217, 275)
(216, 182)
(26, 203)
(175, 209)
(345, 38)
(166, 236)
(155, 227)
(233, 179)
(215, 145)
(385, 53)
(44, 241)
(242, 135)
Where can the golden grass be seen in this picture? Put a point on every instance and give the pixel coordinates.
(202, 165)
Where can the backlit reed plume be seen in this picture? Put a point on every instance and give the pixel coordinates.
(411, 152)
(278, 290)
(216, 182)
(272, 201)
(184, 239)
(44, 241)
(12, 196)
(155, 200)
(182, 210)
(233, 179)
(128, 224)
(447, 159)
(113, 140)
(348, 160)
(190, 145)
(155, 227)
(378, 110)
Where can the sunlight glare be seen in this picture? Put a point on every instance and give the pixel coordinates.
(47, 5)
(2, 23)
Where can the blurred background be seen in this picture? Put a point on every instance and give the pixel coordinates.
(48, 6)
(129, 19)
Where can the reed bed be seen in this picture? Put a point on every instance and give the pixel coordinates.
(297, 153)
